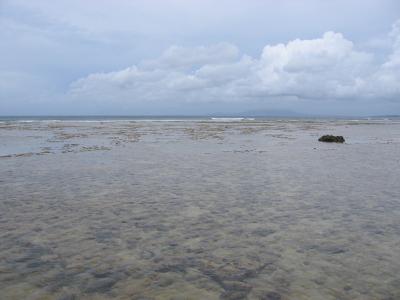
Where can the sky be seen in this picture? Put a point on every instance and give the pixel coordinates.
(193, 57)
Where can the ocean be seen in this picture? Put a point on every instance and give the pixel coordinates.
(199, 208)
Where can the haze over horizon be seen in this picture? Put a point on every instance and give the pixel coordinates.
(192, 57)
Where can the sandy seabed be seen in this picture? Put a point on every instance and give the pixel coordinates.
(199, 210)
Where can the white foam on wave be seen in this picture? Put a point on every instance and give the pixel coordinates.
(231, 119)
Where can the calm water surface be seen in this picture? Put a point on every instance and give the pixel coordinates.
(251, 209)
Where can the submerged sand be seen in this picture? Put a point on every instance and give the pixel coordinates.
(199, 210)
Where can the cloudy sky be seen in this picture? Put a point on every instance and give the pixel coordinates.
(199, 56)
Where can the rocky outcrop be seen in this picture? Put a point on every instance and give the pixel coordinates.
(332, 139)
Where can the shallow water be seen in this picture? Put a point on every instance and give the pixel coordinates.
(199, 210)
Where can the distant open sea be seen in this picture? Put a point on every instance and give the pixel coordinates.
(225, 118)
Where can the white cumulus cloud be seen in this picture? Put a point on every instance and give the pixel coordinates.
(330, 67)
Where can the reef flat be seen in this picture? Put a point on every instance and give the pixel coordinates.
(249, 209)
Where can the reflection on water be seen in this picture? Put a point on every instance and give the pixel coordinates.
(197, 210)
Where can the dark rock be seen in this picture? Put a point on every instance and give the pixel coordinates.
(165, 281)
(61, 279)
(334, 250)
(332, 139)
(67, 296)
(146, 254)
(347, 288)
(172, 268)
(234, 295)
(320, 281)
(101, 285)
(35, 264)
(271, 296)
(237, 286)
(24, 258)
(214, 276)
(103, 236)
(263, 232)
(105, 274)
(326, 249)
